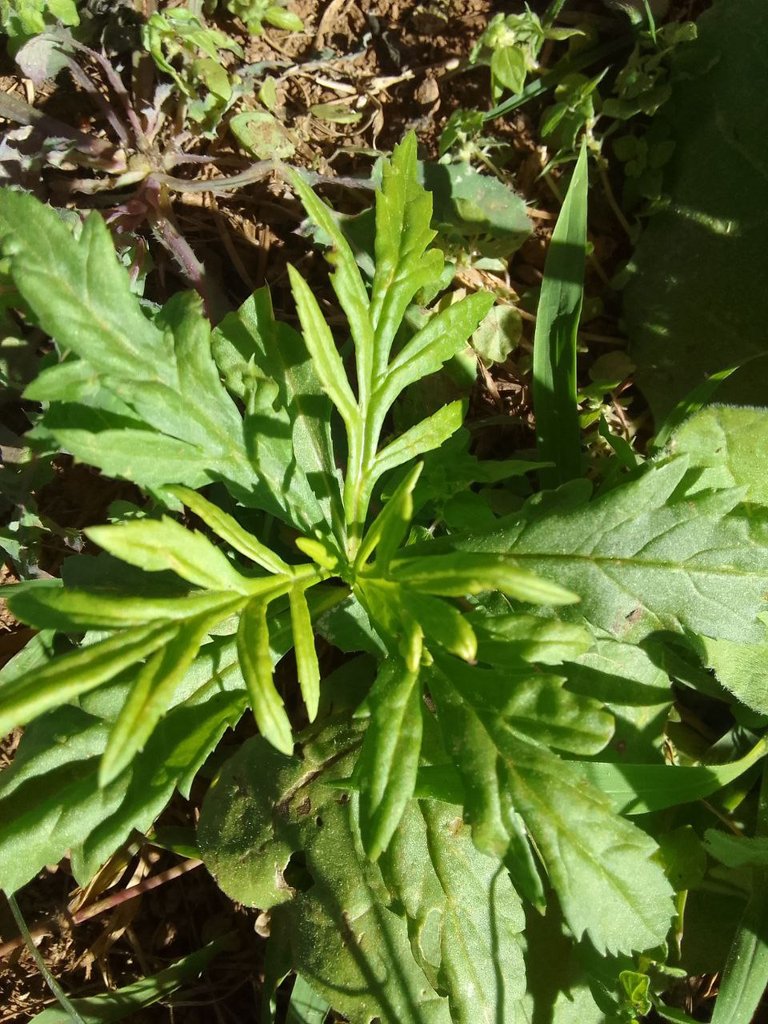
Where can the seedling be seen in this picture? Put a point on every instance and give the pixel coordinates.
(457, 762)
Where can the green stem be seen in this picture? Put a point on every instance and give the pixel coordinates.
(50, 981)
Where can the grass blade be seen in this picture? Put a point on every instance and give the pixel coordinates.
(129, 1000)
(306, 1006)
(745, 976)
(554, 345)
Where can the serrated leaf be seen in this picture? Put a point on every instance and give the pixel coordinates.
(251, 339)
(461, 573)
(50, 801)
(78, 290)
(534, 705)
(506, 640)
(465, 919)
(322, 348)
(389, 756)
(403, 234)
(425, 436)
(730, 445)
(600, 865)
(649, 555)
(29, 695)
(256, 665)
(163, 544)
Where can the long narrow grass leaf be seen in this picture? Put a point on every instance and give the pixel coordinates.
(554, 345)
(745, 976)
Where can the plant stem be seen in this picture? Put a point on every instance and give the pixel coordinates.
(50, 981)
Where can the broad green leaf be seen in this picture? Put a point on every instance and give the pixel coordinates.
(648, 556)
(423, 437)
(739, 667)
(307, 666)
(509, 639)
(730, 445)
(403, 236)
(461, 573)
(629, 682)
(130, 999)
(534, 705)
(508, 67)
(737, 851)
(211, 424)
(389, 529)
(48, 605)
(79, 292)
(555, 341)
(142, 377)
(256, 666)
(600, 865)
(338, 932)
(389, 756)
(142, 456)
(228, 528)
(322, 348)
(50, 798)
(29, 695)
(442, 337)
(465, 918)
(695, 303)
(250, 339)
(155, 545)
(498, 334)
(151, 693)
(639, 788)
(475, 211)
